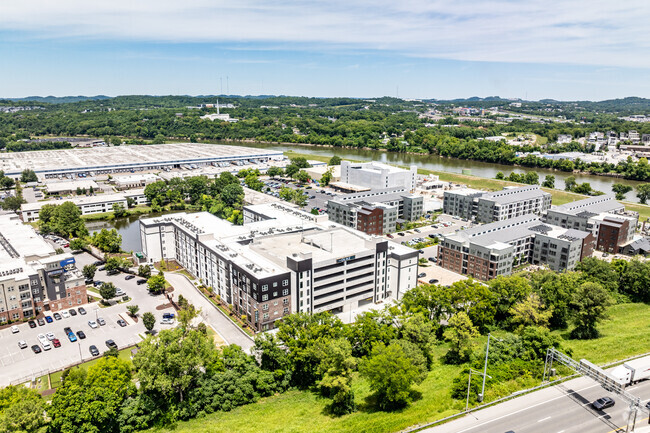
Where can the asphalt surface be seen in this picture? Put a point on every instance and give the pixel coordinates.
(564, 408)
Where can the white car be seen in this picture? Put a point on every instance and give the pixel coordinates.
(22, 344)
(14, 329)
(50, 336)
(92, 324)
(43, 340)
(65, 314)
(167, 321)
(101, 321)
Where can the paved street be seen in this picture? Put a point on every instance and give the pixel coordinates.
(228, 330)
(565, 408)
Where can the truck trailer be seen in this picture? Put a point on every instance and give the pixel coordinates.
(632, 371)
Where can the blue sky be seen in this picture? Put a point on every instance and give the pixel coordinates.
(412, 48)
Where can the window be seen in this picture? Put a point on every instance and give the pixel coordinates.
(285, 283)
(285, 292)
(285, 301)
(266, 316)
(275, 284)
(265, 287)
(265, 307)
(265, 297)
(286, 310)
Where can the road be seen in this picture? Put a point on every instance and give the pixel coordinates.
(564, 408)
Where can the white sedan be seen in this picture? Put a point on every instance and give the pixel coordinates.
(14, 329)
(167, 321)
(92, 324)
(65, 314)
(50, 336)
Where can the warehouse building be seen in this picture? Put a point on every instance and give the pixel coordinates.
(71, 186)
(375, 175)
(486, 207)
(33, 278)
(491, 250)
(134, 180)
(124, 159)
(282, 260)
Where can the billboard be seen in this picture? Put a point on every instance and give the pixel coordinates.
(66, 262)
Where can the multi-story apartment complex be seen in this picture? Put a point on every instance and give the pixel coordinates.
(491, 250)
(282, 260)
(375, 175)
(486, 207)
(376, 212)
(33, 278)
(603, 216)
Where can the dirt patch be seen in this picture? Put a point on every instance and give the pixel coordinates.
(169, 289)
(48, 392)
(164, 306)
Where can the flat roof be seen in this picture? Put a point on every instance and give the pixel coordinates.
(596, 205)
(20, 240)
(509, 195)
(106, 158)
(84, 200)
(70, 185)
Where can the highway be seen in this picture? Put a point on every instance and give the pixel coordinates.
(564, 408)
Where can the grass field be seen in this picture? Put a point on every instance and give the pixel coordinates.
(623, 335)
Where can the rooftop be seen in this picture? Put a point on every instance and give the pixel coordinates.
(508, 195)
(83, 200)
(595, 205)
(70, 185)
(18, 240)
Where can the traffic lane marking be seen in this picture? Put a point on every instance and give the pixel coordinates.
(622, 429)
(544, 419)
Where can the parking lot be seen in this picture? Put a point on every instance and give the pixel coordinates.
(317, 196)
(23, 364)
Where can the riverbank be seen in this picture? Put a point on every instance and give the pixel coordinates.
(559, 196)
(138, 211)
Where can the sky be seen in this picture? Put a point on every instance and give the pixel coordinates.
(443, 49)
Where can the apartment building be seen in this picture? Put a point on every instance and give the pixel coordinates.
(372, 211)
(603, 216)
(493, 249)
(33, 278)
(88, 205)
(375, 175)
(486, 207)
(282, 260)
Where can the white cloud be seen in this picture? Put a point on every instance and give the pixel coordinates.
(582, 32)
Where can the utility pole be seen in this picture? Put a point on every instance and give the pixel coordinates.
(487, 351)
(469, 382)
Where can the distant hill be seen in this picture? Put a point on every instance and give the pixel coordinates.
(59, 99)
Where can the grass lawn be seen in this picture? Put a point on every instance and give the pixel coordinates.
(187, 274)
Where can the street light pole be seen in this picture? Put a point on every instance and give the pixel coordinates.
(487, 351)
(469, 382)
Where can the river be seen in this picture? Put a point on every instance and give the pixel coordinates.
(453, 165)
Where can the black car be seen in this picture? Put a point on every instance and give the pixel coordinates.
(57, 316)
(422, 275)
(72, 312)
(100, 268)
(81, 335)
(89, 281)
(113, 272)
(93, 350)
(67, 330)
(121, 322)
(111, 344)
(32, 324)
(603, 403)
(99, 263)
(433, 259)
(142, 281)
(129, 277)
(82, 311)
(433, 281)
(40, 321)
(36, 348)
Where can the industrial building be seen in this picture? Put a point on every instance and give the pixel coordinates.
(88, 205)
(376, 211)
(33, 278)
(486, 207)
(490, 250)
(375, 176)
(130, 181)
(71, 186)
(124, 159)
(282, 260)
(603, 216)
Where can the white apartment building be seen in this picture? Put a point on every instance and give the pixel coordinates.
(282, 260)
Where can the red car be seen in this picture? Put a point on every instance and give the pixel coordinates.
(56, 342)
(66, 245)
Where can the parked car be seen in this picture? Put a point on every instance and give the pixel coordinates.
(14, 329)
(72, 337)
(67, 330)
(92, 323)
(50, 336)
(119, 292)
(390, 236)
(167, 321)
(401, 233)
(32, 324)
(416, 230)
(36, 348)
(45, 343)
(603, 403)
(81, 335)
(113, 272)
(101, 321)
(101, 268)
(111, 344)
(129, 277)
(168, 315)
(93, 350)
(40, 321)
(121, 322)
(433, 259)
(73, 312)
(22, 344)
(99, 263)
(82, 311)
(433, 281)
(49, 319)
(142, 281)
(422, 275)
(98, 283)
(56, 342)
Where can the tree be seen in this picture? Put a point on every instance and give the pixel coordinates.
(274, 171)
(107, 291)
(114, 263)
(91, 400)
(635, 280)
(78, 244)
(187, 314)
(109, 241)
(588, 307)
(500, 175)
(549, 181)
(335, 160)
(336, 367)
(300, 162)
(531, 178)
(326, 178)
(21, 410)
(253, 182)
(570, 183)
(13, 202)
(369, 328)
(620, 190)
(68, 221)
(461, 334)
(119, 211)
(556, 291)
(530, 312)
(390, 373)
(156, 283)
(303, 176)
(130, 202)
(88, 271)
(28, 176)
(291, 170)
(133, 310)
(148, 320)
(507, 291)
(643, 192)
(144, 271)
(232, 195)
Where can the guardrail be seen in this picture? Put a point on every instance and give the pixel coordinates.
(512, 396)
